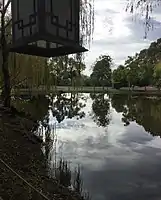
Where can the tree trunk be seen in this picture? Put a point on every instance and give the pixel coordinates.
(6, 91)
(133, 87)
(129, 85)
(145, 88)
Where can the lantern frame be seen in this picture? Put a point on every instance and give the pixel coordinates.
(39, 40)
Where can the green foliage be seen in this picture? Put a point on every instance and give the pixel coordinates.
(32, 71)
(86, 80)
(157, 75)
(139, 69)
(28, 71)
(101, 75)
(120, 77)
(145, 75)
(131, 65)
(66, 71)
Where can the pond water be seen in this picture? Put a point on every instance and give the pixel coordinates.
(114, 139)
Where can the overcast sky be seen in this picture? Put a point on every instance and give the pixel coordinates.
(119, 33)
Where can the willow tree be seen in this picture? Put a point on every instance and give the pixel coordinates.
(28, 70)
(86, 29)
(145, 9)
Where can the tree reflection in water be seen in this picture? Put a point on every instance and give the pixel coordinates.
(101, 109)
(144, 110)
(65, 105)
(60, 106)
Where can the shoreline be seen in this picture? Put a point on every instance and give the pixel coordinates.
(26, 158)
(65, 89)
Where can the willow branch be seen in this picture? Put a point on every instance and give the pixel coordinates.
(8, 23)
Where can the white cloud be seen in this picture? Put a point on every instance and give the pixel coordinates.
(117, 33)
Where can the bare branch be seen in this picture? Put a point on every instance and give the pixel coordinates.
(3, 7)
(14, 84)
(6, 6)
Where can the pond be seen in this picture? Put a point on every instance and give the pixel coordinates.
(115, 140)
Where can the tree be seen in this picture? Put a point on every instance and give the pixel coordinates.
(5, 52)
(140, 68)
(66, 70)
(157, 75)
(119, 76)
(86, 80)
(131, 65)
(101, 75)
(145, 75)
(28, 71)
(75, 69)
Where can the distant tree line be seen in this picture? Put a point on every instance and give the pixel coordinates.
(143, 69)
(32, 71)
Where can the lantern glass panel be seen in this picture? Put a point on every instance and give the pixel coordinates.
(62, 18)
(25, 18)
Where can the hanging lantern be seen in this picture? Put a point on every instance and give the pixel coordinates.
(46, 28)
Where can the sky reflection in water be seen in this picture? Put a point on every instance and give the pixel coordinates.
(117, 161)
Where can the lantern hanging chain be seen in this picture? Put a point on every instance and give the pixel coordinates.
(20, 177)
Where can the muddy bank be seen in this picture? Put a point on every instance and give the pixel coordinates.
(22, 152)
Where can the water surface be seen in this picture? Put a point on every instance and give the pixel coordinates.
(115, 140)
